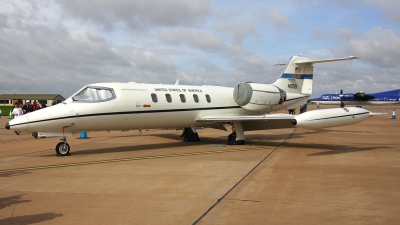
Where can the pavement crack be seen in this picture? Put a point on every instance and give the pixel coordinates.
(246, 175)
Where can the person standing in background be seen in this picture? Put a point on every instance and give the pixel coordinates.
(27, 108)
(16, 112)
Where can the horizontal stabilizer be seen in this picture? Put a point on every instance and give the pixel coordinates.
(325, 60)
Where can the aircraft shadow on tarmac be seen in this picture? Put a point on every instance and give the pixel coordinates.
(27, 219)
(223, 139)
(10, 201)
(131, 148)
(13, 174)
(30, 219)
(252, 139)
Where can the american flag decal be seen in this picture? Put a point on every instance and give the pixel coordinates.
(297, 69)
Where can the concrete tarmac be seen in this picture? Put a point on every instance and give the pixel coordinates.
(339, 175)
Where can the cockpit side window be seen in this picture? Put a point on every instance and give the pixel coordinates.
(94, 94)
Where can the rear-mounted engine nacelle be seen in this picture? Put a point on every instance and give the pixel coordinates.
(255, 96)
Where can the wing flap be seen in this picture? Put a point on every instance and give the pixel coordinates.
(246, 118)
(250, 123)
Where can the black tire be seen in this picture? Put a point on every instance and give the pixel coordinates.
(195, 137)
(231, 138)
(240, 142)
(62, 149)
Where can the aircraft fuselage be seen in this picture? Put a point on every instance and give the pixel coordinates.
(129, 106)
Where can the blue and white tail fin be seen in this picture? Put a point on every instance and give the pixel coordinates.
(297, 78)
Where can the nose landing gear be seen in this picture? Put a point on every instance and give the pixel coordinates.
(62, 148)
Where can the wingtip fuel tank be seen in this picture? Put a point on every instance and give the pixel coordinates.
(324, 118)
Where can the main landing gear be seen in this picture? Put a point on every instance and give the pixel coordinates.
(237, 135)
(189, 135)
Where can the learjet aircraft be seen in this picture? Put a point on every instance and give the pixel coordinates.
(134, 106)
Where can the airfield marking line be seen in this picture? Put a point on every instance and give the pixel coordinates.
(131, 159)
(40, 150)
(16, 140)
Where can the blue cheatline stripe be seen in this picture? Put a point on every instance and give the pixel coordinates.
(297, 76)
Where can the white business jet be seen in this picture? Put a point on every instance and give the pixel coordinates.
(130, 106)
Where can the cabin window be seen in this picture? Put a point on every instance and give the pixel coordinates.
(94, 94)
(196, 98)
(154, 97)
(168, 97)
(208, 98)
(183, 98)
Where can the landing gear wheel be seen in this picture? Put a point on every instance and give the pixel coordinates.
(189, 136)
(232, 140)
(195, 137)
(62, 149)
(240, 142)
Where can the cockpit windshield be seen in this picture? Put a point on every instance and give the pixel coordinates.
(94, 94)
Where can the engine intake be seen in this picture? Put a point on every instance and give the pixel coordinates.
(255, 96)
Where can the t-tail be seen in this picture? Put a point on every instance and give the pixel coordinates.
(297, 78)
(291, 90)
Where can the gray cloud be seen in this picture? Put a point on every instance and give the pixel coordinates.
(44, 60)
(57, 46)
(345, 34)
(138, 14)
(208, 66)
(38, 58)
(238, 30)
(198, 39)
(245, 62)
(390, 9)
(146, 60)
(279, 20)
(378, 47)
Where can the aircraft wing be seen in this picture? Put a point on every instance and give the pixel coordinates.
(249, 123)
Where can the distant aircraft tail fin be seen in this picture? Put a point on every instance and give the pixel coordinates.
(298, 74)
(392, 92)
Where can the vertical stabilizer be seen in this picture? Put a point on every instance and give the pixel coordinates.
(297, 77)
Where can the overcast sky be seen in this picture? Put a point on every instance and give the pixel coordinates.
(58, 46)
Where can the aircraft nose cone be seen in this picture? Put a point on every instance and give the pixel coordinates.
(8, 126)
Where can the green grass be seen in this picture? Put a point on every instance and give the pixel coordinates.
(5, 110)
